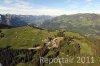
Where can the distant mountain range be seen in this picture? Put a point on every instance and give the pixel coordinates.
(88, 24)
(82, 23)
(22, 20)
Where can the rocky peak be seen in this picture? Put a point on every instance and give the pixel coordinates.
(5, 19)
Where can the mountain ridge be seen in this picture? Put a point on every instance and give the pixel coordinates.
(82, 23)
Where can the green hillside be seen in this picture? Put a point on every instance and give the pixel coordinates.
(15, 44)
(22, 37)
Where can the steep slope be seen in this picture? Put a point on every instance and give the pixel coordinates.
(22, 20)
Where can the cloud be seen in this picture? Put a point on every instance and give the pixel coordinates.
(8, 1)
(32, 11)
(89, 0)
(25, 8)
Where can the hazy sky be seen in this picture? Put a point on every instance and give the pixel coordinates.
(49, 7)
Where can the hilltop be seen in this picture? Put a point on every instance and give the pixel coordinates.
(29, 37)
(27, 44)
